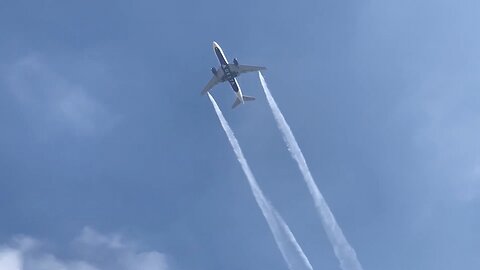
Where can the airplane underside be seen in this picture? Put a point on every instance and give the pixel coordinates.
(229, 72)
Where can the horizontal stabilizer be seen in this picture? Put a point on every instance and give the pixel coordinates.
(248, 98)
(236, 103)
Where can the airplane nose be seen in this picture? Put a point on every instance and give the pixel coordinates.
(215, 45)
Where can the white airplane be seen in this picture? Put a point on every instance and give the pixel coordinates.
(229, 72)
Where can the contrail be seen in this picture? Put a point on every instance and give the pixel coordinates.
(343, 251)
(293, 255)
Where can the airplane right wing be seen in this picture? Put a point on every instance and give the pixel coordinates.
(244, 69)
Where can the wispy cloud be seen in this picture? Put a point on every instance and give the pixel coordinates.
(54, 103)
(93, 250)
(445, 103)
(435, 56)
(10, 259)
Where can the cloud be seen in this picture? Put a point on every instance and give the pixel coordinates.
(90, 237)
(431, 49)
(92, 251)
(10, 259)
(52, 102)
(444, 104)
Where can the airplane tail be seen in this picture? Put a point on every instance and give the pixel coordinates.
(238, 101)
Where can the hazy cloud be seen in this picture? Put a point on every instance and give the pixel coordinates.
(10, 259)
(444, 107)
(54, 103)
(92, 251)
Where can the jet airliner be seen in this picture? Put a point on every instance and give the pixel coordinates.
(229, 72)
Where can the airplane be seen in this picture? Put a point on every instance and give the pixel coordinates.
(229, 72)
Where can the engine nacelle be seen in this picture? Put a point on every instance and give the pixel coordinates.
(214, 71)
(235, 61)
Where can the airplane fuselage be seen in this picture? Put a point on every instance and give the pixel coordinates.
(229, 75)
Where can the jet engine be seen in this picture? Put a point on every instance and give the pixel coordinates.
(235, 61)
(214, 71)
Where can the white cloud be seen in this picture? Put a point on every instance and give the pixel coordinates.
(92, 251)
(52, 102)
(90, 237)
(10, 259)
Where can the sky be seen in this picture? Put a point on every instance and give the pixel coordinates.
(110, 158)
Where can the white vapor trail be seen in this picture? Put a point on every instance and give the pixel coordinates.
(291, 251)
(343, 251)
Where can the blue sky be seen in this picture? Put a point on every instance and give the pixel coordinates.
(105, 137)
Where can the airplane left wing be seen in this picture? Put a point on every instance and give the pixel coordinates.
(214, 81)
(244, 69)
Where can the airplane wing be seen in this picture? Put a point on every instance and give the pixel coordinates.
(214, 81)
(244, 69)
(217, 78)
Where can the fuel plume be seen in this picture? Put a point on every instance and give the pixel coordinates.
(291, 251)
(342, 249)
